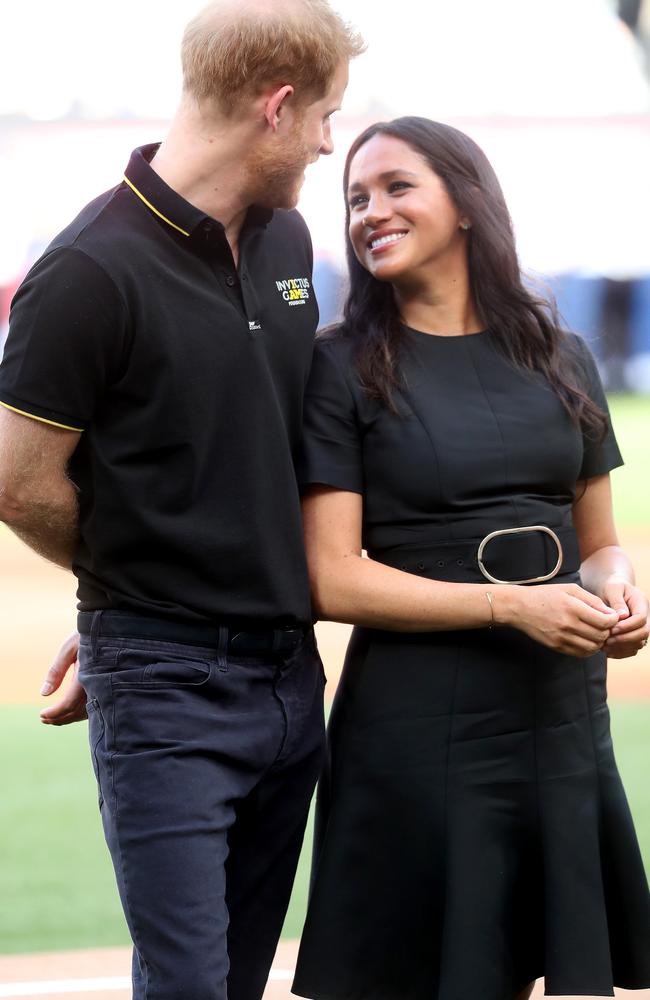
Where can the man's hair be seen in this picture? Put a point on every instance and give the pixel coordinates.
(230, 53)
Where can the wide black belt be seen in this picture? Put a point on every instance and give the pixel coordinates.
(529, 554)
(231, 639)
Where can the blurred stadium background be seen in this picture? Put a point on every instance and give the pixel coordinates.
(556, 91)
(558, 94)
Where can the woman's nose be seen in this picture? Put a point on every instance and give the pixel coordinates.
(377, 211)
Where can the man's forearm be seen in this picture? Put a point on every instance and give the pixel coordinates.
(37, 499)
(49, 523)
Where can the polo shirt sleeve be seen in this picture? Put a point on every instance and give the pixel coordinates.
(331, 451)
(66, 340)
(600, 454)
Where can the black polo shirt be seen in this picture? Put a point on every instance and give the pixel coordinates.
(185, 376)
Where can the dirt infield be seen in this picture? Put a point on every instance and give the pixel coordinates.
(109, 968)
(37, 609)
(104, 971)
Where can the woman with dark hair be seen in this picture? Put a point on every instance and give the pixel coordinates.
(472, 831)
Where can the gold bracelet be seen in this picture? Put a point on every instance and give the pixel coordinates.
(489, 598)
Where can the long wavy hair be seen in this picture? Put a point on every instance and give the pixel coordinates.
(526, 326)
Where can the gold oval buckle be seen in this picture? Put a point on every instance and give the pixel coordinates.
(518, 531)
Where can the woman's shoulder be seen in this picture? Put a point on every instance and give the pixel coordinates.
(334, 346)
(573, 345)
(334, 367)
(334, 339)
(577, 359)
(570, 341)
(576, 353)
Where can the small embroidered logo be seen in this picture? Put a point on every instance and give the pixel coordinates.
(294, 291)
(253, 325)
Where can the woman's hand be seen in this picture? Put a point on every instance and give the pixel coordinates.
(631, 632)
(606, 570)
(563, 617)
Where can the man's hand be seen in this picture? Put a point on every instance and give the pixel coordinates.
(72, 707)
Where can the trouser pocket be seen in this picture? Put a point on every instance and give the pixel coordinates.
(95, 736)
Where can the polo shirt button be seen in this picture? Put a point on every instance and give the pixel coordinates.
(230, 281)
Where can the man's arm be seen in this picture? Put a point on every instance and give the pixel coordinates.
(37, 500)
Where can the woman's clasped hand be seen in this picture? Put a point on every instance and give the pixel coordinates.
(564, 617)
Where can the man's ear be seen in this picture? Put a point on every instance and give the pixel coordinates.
(275, 105)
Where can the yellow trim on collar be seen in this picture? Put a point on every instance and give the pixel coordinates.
(42, 420)
(153, 208)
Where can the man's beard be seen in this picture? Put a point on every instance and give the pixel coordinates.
(275, 178)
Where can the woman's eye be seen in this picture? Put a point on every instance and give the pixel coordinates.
(357, 199)
(399, 185)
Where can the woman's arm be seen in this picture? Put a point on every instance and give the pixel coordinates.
(348, 588)
(606, 570)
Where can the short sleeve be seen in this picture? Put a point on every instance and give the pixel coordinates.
(600, 455)
(331, 444)
(66, 339)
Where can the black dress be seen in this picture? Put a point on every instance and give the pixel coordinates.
(472, 831)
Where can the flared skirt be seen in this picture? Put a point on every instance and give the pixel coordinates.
(472, 831)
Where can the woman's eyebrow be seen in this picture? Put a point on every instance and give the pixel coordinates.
(385, 176)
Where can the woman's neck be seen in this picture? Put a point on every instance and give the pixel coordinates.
(443, 305)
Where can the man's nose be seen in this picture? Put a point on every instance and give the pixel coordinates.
(327, 145)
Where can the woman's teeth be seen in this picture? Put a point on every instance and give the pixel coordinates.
(393, 238)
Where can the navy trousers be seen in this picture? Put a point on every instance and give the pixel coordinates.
(205, 767)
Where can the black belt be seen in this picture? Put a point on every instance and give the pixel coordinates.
(529, 555)
(231, 639)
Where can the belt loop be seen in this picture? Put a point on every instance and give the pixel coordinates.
(222, 652)
(95, 631)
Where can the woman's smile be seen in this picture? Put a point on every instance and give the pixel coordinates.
(384, 239)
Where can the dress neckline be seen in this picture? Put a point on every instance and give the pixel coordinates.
(445, 336)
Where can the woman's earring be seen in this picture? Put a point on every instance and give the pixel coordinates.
(465, 225)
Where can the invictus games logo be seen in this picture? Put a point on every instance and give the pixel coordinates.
(294, 291)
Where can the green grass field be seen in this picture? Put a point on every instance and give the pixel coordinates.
(631, 483)
(56, 883)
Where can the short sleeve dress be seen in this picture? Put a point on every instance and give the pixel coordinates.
(472, 830)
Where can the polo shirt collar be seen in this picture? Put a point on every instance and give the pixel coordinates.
(169, 206)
